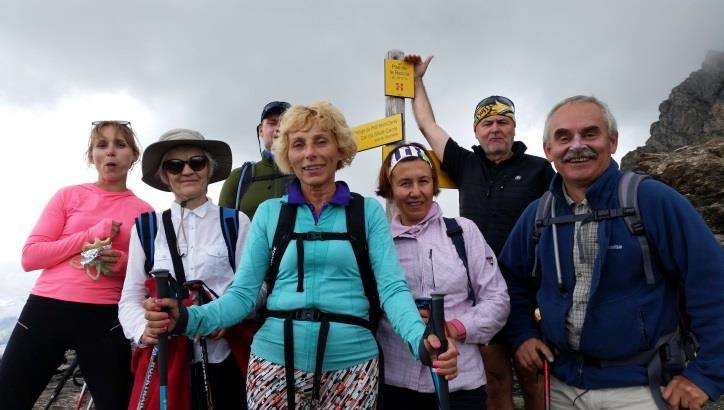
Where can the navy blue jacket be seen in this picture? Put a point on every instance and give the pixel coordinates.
(625, 315)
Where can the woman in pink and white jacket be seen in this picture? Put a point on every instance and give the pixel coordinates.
(476, 297)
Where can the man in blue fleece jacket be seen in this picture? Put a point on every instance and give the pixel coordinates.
(604, 326)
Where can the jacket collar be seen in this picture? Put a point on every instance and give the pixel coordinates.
(398, 229)
(199, 211)
(599, 193)
(341, 196)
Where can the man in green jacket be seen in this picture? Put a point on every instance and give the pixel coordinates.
(253, 183)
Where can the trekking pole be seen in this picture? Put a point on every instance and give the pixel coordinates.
(61, 383)
(199, 285)
(147, 380)
(162, 291)
(437, 319)
(81, 396)
(546, 370)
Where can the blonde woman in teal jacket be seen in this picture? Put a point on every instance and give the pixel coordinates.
(314, 142)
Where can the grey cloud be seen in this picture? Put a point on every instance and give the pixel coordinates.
(212, 65)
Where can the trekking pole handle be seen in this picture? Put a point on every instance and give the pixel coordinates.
(437, 318)
(546, 367)
(162, 291)
(437, 315)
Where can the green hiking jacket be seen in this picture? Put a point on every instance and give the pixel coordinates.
(258, 191)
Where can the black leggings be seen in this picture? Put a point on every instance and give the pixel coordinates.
(45, 330)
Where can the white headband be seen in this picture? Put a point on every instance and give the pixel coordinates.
(408, 151)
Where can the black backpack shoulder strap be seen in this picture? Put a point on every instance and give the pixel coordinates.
(455, 233)
(229, 219)
(628, 187)
(245, 176)
(542, 212)
(355, 213)
(147, 227)
(282, 236)
(178, 266)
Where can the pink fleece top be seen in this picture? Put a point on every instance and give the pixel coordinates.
(77, 215)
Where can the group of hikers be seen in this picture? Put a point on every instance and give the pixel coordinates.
(602, 289)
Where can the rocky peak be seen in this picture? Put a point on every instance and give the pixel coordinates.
(686, 147)
(693, 113)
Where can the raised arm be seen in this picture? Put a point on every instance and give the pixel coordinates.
(421, 107)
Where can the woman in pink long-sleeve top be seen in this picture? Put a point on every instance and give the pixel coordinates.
(476, 297)
(81, 244)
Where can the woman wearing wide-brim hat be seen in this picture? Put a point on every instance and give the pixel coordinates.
(183, 162)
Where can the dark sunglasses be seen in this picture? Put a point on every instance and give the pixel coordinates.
(175, 166)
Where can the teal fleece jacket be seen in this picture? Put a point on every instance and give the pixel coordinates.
(331, 284)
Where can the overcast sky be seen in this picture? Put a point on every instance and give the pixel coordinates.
(212, 65)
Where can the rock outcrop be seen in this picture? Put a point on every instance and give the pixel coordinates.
(686, 147)
(693, 114)
(696, 171)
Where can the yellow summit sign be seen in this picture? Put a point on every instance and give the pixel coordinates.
(378, 133)
(399, 79)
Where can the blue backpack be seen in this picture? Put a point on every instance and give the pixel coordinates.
(147, 227)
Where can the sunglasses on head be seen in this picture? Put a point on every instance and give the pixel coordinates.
(175, 166)
(103, 123)
(493, 98)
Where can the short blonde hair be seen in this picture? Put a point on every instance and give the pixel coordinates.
(303, 118)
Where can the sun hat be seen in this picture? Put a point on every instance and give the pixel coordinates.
(219, 151)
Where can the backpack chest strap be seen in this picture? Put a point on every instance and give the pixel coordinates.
(300, 237)
(594, 216)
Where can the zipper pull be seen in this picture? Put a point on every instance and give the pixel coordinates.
(432, 268)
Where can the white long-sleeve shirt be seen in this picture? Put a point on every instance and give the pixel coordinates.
(204, 256)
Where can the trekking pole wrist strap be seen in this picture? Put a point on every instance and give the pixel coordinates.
(422, 350)
(182, 321)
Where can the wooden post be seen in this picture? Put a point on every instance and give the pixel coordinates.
(394, 105)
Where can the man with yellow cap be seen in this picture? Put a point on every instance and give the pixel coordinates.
(496, 181)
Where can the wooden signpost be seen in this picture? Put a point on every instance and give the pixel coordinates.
(389, 132)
